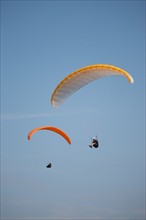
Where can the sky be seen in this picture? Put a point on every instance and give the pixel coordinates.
(41, 43)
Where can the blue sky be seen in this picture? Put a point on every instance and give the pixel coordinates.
(42, 42)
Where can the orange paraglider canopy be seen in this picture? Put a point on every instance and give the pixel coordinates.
(50, 128)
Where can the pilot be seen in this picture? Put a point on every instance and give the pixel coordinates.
(94, 143)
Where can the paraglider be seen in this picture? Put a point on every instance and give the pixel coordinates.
(49, 165)
(95, 143)
(81, 77)
(50, 128)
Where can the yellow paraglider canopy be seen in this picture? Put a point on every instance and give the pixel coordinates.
(76, 80)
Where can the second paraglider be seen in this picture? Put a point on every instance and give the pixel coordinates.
(50, 128)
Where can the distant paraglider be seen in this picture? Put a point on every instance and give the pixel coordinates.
(81, 77)
(49, 165)
(50, 128)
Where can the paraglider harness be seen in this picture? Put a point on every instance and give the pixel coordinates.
(95, 143)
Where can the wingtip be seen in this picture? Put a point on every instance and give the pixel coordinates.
(132, 80)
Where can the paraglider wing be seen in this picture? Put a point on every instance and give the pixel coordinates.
(50, 128)
(76, 80)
